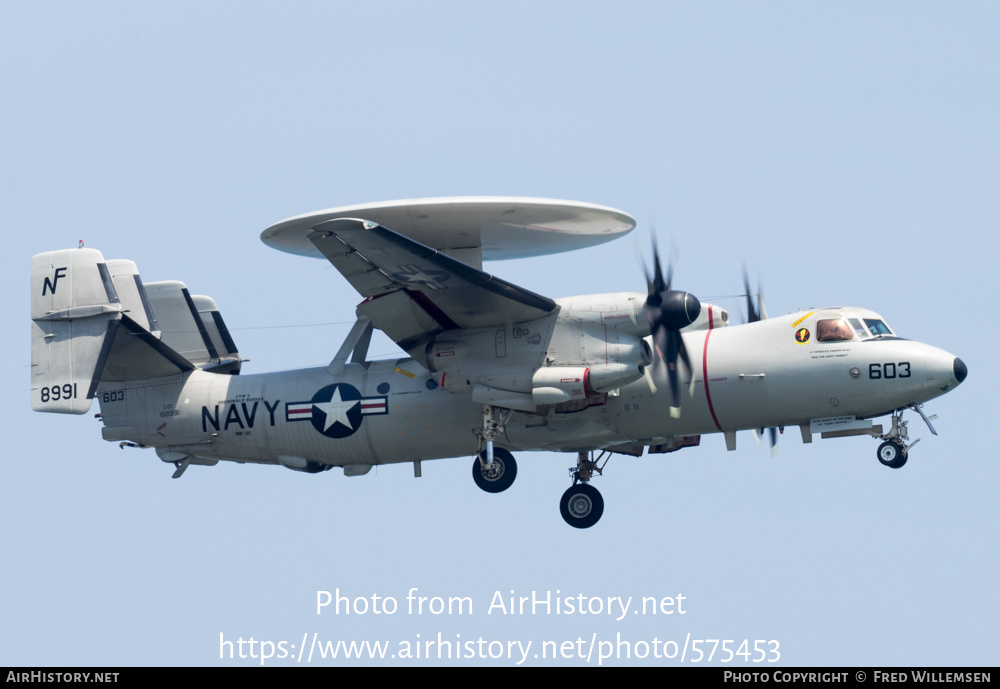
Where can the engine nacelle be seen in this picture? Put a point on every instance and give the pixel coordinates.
(590, 346)
(440, 355)
(555, 384)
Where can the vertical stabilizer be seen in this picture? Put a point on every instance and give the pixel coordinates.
(73, 305)
(132, 294)
(181, 326)
(94, 321)
(215, 329)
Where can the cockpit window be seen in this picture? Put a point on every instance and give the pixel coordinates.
(877, 327)
(833, 330)
(858, 328)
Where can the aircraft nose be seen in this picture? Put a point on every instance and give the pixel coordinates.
(960, 370)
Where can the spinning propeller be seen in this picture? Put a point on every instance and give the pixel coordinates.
(754, 315)
(668, 311)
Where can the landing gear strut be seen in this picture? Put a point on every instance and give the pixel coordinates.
(494, 468)
(894, 451)
(581, 506)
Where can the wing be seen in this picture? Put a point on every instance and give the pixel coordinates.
(413, 292)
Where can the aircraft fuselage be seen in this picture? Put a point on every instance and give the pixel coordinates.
(763, 374)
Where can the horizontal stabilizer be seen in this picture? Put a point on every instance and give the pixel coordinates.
(132, 353)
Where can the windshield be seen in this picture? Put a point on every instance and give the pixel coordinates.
(877, 327)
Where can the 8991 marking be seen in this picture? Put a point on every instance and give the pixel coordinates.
(59, 392)
(887, 371)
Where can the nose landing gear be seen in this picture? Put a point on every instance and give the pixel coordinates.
(893, 452)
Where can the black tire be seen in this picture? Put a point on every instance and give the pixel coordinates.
(502, 478)
(581, 506)
(891, 454)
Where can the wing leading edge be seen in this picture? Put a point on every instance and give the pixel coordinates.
(413, 292)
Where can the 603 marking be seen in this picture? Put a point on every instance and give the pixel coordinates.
(889, 371)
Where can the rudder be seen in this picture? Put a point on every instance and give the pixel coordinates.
(73, 305)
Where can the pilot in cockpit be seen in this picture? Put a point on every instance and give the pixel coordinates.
(833, 330)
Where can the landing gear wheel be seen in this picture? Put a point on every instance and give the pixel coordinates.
(892, 454)
(500, 477)
(581, 506)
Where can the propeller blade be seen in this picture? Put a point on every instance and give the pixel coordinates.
(655, 283)
(647, 373)
(674, 343)
(772, 436)
(752, 314)
(668, 311)
(687, 362)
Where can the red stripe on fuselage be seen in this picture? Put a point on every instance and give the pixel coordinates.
(704, 369)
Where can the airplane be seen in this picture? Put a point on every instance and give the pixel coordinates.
(490, 369)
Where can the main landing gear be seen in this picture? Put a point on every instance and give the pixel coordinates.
(581, 506)
(494, 468)
(496, 476)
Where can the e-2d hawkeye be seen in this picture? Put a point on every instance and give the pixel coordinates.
(492, 368)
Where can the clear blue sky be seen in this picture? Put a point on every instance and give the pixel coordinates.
(847, 152)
